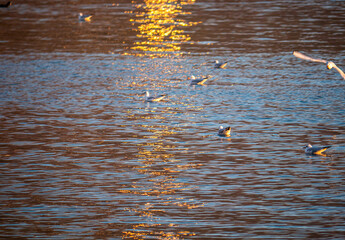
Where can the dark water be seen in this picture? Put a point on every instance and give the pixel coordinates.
(83, 156)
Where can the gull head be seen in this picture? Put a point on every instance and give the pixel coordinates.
(308, 146)
(330, 65)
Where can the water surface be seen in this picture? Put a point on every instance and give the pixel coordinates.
(83, 156)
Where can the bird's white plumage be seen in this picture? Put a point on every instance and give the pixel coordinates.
(220, 64)
(311, 150)
(224, 132)
(149, 98)
(198, 81)
(84, 17)
(330, 64)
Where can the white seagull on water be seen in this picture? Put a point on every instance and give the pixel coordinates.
(84, 17)
(330, 64)
(310, 150)
(149, 98)
(220, 64)
(224, 132)
(199, 81)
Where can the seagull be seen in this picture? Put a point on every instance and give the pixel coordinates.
(224, 132)
(330, 65)
(84, 17)
(310, 150)
(149, 98)
(6, 5)
(199, 81)
(220, 64)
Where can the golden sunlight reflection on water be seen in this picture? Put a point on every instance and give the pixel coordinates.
(84, 156)
(158, 167)
(160, 28)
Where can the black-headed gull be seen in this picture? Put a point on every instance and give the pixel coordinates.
(220, 64)
(330, 64)
(84, 17)
(309, 149)
(224, 132)
(149, 98)
(199, 81)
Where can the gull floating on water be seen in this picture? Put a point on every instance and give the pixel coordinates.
(220, 64)
(224, 132)
(84, 17)
(330, 64)
(149, 98)
(309, 149)
(6, 5)
(199, 81)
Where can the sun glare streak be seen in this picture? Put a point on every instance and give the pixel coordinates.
(159, 24)
(158, 172)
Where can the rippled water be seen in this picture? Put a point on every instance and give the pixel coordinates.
(83, 156)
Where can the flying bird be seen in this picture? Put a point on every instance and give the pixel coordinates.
(84, 17)
(330, 64)
(224, 132)
(149, 98)
(310, 150)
